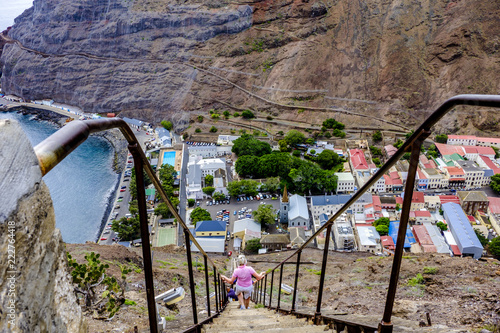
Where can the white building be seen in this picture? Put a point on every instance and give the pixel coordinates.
(344, 235)
(327, 204)
(368, 239)
(209, 166)
(462, 140)
(204, 151)
(294, 211)
(345, 182)
(226, 140)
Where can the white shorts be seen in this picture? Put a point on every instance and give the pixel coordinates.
(247, 291)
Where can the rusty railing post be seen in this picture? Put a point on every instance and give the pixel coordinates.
(317, 315)
(191, 276)
(385, 326)
(279, 287)
(215, 291)
(294, 298)
(271, 292)
(265, 287)
(260, 290)
(146, 248)
(207, 285)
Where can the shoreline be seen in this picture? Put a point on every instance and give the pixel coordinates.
(112, 136)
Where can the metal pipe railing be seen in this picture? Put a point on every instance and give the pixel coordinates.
(55, 148)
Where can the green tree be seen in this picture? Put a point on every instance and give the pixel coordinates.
(93, 282)
(247, 165)
(265, 214)
(200, 118)
(442, 226)
(236, 115)
(127, 228)
(283, 145)
(441, 138)
(271, 184)
(338, 133)
(253, 245)
(333, 124)
(494, 246)
(497, 151)
(382, 221)
(133, 183)
(197, 130)
(209, 180)
(244, 186)
(296, 153)
(294, 138)
(280, 133)
(199, 214)
(495, 183)
(213, 129)
(407, 135)
(398, 143)
(398, 207)
(247, 114)
(167, 124)
(377, 136)
(248, 145)
(191, 202)
(209, 190)
(313, 152)
(483, 240)
(226, 114)
(375, 151)
(185, 136)
(376, 161)
(218, 196)
(328, 159)
(382, 229)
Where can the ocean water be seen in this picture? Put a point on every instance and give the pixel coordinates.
(80, 186)
(9, 10)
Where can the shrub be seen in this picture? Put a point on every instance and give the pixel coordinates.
(236, 114)
(430, 270)
(197, 130)
(416, 281)
(213, 129)
(200, 119)
(247, 114)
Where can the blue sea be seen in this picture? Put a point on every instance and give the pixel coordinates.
(9, 10)
(80, 186)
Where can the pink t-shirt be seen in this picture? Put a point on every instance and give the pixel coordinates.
(244, 275)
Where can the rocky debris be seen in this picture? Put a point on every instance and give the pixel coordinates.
(36, 294)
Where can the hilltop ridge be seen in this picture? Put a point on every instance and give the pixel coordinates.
(159, 60)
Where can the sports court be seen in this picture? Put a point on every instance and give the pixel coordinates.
(166, 236)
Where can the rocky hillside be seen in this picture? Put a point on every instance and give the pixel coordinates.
(460, 294)
(394, 60)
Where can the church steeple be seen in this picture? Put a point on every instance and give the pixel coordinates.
(285, 195)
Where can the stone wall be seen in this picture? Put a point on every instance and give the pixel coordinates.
(36, 294)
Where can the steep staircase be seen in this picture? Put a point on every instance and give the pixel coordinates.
(234, 320)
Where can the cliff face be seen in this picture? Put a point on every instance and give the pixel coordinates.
(36, 294)
(389, 59)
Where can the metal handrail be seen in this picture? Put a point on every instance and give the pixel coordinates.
(413, 145)
(56, 147)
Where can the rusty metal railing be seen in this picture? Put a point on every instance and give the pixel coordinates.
(412, 145)
(55, 148)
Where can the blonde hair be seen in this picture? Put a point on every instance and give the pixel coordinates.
(242, 260)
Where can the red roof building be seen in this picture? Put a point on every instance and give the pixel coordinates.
(358, 160)
(449, 198)
(387, 242)
(449, 149)
(423, 238)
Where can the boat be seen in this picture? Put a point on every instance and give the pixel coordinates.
(172, 296)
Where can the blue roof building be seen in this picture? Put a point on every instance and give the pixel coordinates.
(393, 232)
(327, 204)
(210, 229)
(462, 231)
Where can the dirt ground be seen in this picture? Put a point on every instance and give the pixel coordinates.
(459, 293)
